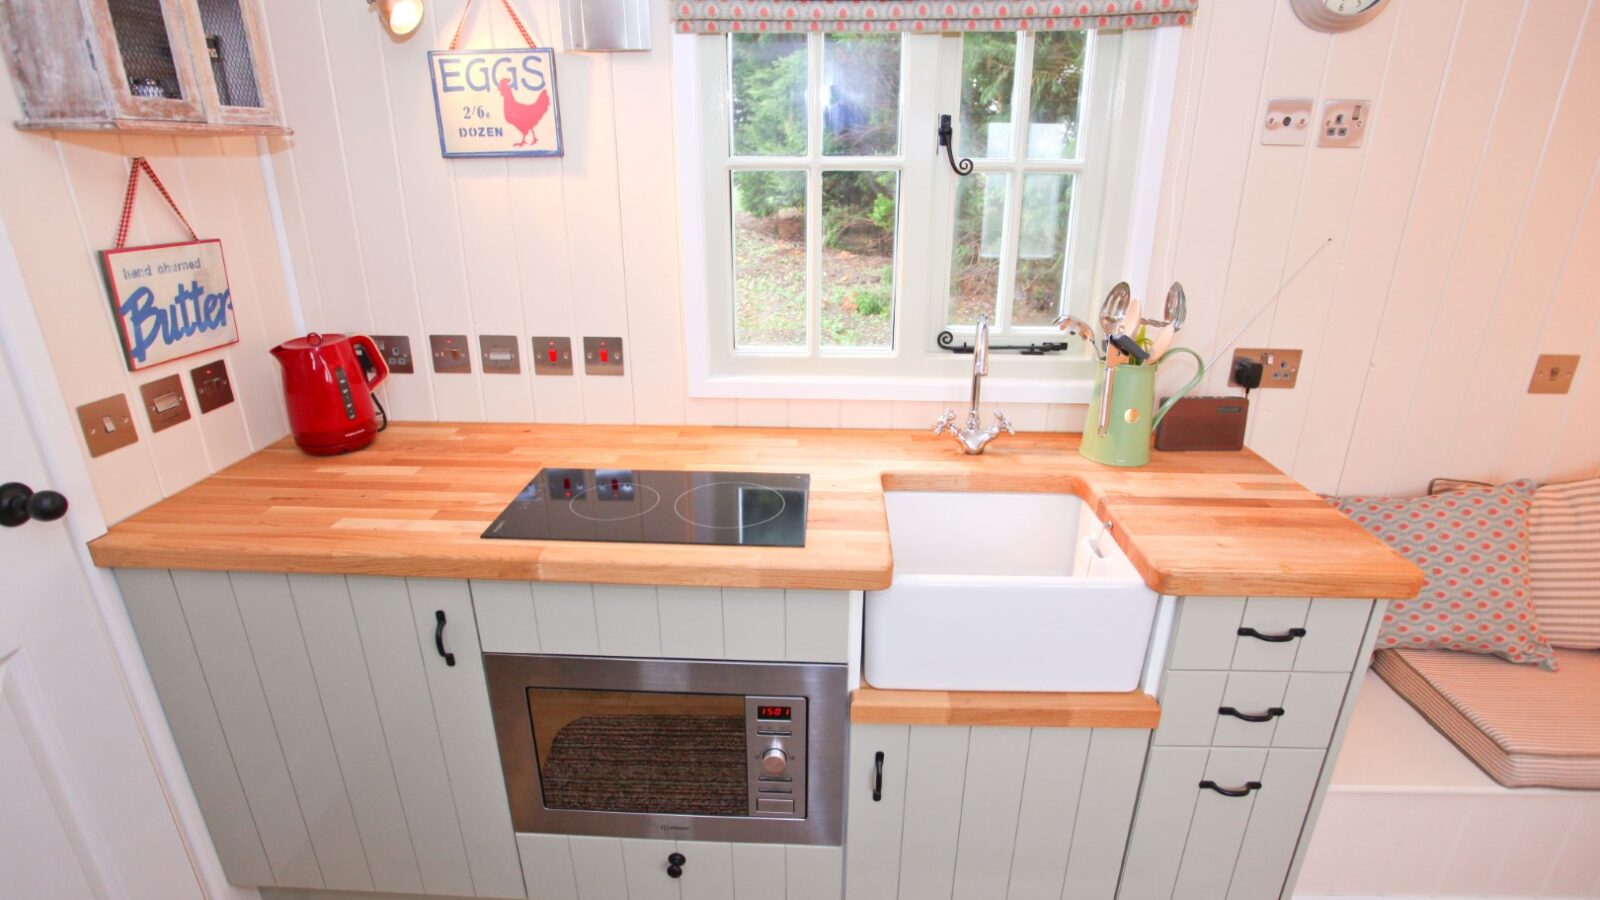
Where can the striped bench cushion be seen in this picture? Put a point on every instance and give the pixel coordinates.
(1564, 562)
(1523, 726)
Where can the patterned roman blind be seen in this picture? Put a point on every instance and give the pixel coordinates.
(758, 16)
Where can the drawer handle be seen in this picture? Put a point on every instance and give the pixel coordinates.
(1232, 792)
(675, 863)
(1283, 638)
(877, 777)
(438, 638)
(1268, 716)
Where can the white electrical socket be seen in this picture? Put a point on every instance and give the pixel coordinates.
(1287, 121)
(1344, 123)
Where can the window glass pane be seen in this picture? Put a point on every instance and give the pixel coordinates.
(228, 51)
(861, 86)
(975, 257)
(1058, 58)
(988, 69)
(858, 231)
(1042, 248)
(769, 259)
(769, 94)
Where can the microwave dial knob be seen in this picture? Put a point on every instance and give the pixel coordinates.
(774, 761)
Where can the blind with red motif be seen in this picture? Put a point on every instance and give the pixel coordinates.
(893, 16)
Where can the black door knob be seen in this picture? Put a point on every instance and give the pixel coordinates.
(675, 863)
(19, 503)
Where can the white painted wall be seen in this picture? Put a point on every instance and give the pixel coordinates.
(61, 197)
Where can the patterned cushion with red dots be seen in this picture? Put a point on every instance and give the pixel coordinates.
(1472, 545)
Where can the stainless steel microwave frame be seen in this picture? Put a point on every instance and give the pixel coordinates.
(823, 686)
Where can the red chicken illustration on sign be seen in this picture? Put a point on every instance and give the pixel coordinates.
(524, 117)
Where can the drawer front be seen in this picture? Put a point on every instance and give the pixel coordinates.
(1231, 839)
(1269, 634)
(1250, 709)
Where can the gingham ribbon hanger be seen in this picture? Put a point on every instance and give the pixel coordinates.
(455, 42)
(141, 165)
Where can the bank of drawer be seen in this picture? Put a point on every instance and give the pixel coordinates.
(1269, 634)
(1218, 823)
(1268, 709)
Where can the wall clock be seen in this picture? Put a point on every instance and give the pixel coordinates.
(1337, 15)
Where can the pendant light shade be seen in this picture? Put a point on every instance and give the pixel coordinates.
(401, 17)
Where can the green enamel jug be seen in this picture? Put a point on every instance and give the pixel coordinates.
(1125, 439)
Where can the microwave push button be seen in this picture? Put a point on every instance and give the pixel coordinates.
(775, 805)
(774, 761)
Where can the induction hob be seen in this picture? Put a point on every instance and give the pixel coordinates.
(719, 508)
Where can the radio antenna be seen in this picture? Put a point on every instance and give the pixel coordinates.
(1266, 305)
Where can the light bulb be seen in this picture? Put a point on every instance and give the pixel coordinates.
(401, 16)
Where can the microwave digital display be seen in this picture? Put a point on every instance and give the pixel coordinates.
(775, 713)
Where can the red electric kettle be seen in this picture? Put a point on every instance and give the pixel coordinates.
(328, 381)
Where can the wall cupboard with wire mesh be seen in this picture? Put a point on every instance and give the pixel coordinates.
(168, 66)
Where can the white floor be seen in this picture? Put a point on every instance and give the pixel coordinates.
(1409, 816)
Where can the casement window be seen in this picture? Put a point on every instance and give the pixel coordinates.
(829, 247)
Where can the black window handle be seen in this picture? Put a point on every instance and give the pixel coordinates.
(877, 777)
(1232, 792)
(438, 638)
(1283, 638)
(1271, 713)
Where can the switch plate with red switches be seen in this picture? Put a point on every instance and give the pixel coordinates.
(451, 354)
(602, 356)
(552, 355)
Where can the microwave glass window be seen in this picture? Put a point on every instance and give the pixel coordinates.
(635, 751)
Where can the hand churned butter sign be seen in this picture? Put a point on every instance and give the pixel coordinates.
(496, 102)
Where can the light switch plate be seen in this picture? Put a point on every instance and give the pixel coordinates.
(107, 424)
(1553, 373)
(396, 350)
(1287, 122)
(501, 354)
(1344, 123)
(1281, 367)
(602, 356)
(451, 354)
(212, 389)
(552, 355)
(165, 402)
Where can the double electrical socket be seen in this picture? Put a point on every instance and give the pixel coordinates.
(1280, 368)
(1288, 122)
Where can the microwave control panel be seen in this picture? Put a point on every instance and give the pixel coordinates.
(775, 738)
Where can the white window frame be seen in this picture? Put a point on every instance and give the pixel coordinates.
(1140, 74)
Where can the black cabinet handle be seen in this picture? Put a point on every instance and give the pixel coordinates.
(1232, 792)
(20, 503)
(1271, 713)
(675, 863)
(877, 777)
(438, 638)
(1283, 638)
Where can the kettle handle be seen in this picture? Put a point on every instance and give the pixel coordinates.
(1200, 372)
(376, 356)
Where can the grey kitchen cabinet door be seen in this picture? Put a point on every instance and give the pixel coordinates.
(1198, 843)
(876, 811)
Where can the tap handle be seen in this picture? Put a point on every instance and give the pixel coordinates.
(1004, 423)
(944, 421)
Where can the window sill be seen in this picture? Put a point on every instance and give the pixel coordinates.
(995, 388)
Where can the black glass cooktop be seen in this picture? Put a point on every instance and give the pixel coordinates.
(741, 508)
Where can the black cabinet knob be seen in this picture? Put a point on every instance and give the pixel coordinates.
(675, 863)
(20, 503)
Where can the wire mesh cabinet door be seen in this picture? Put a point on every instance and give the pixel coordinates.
(232, 65)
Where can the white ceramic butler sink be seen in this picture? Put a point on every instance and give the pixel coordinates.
(1004, 592)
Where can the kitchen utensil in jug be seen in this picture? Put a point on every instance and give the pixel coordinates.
(1124, 398)
(327, 383)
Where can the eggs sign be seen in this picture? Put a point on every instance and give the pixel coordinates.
(496, 102)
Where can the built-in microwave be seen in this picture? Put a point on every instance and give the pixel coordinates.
(665, 748)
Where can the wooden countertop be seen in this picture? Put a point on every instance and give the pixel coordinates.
(415, 503)
(1134, 709)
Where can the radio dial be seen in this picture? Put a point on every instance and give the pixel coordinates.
(774, 761)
